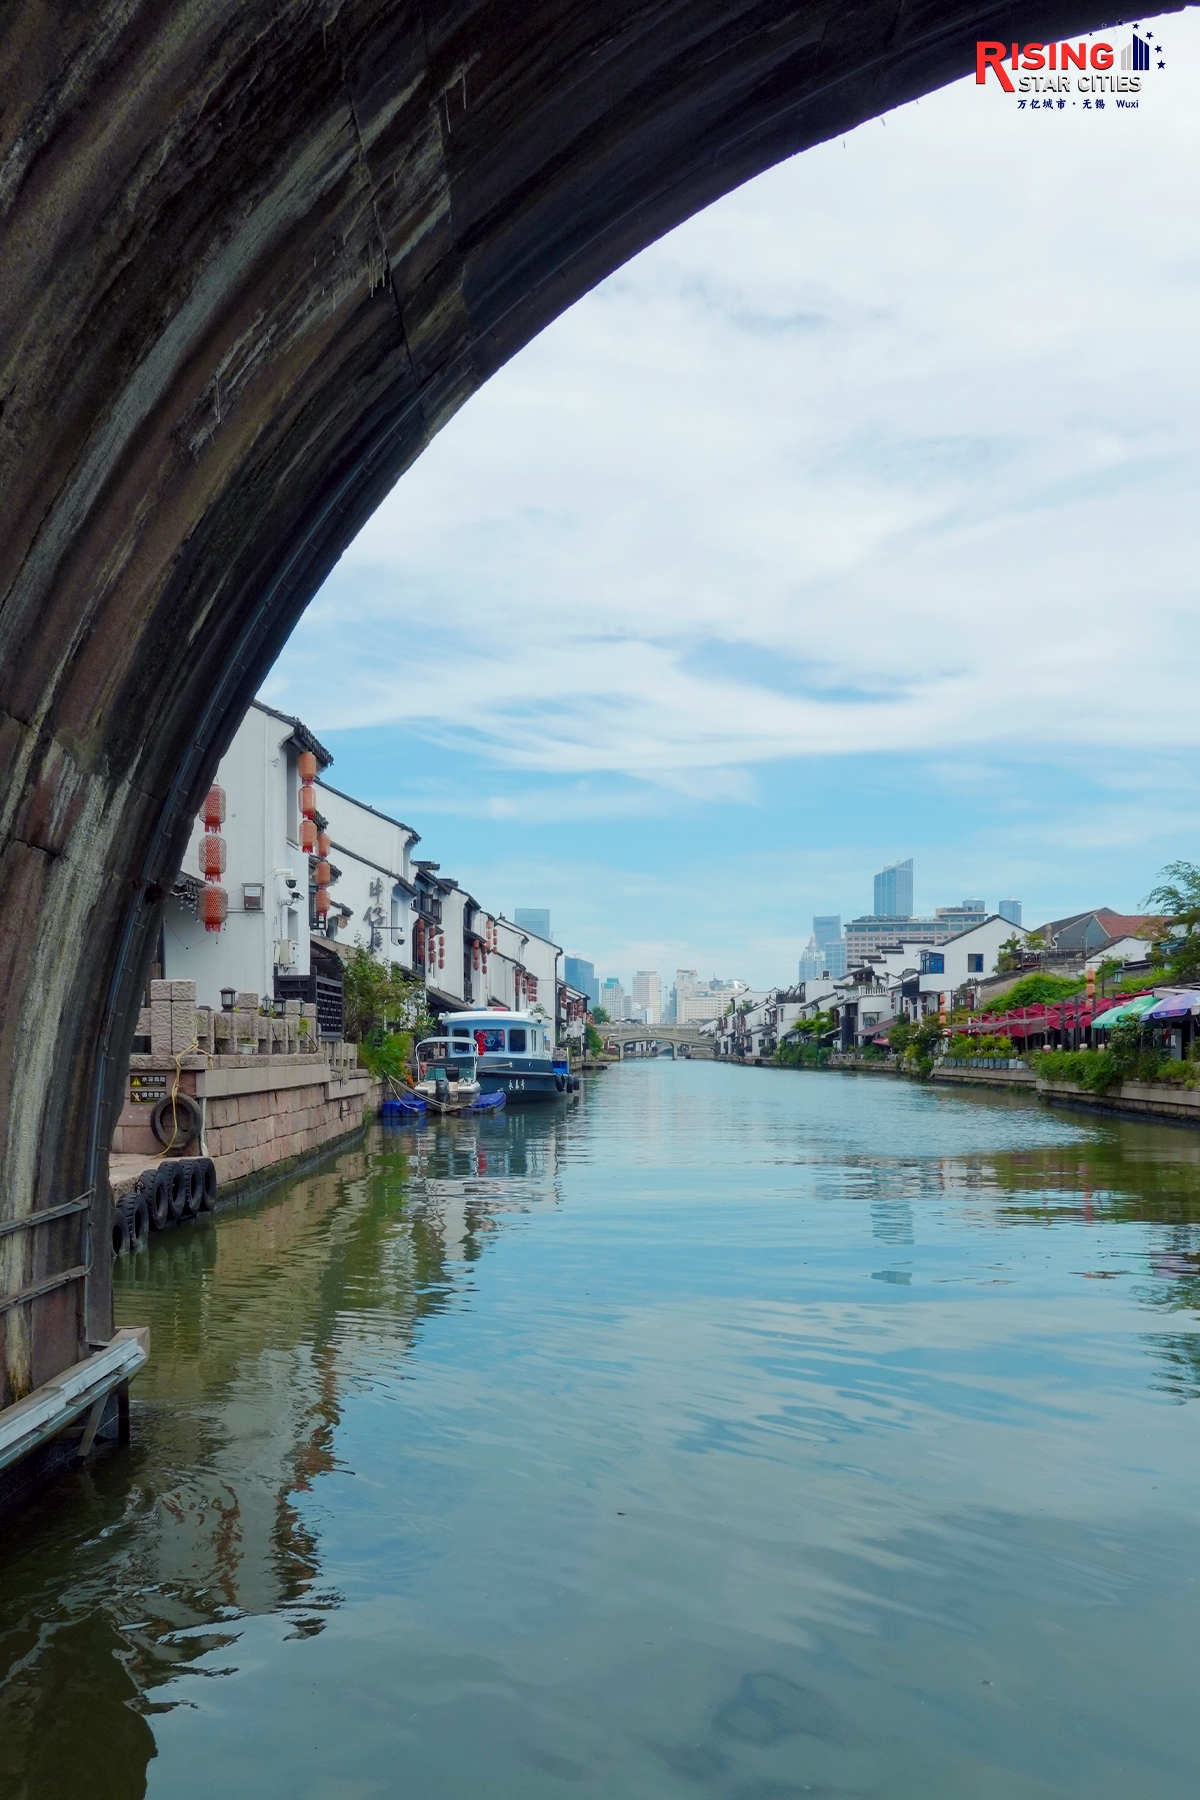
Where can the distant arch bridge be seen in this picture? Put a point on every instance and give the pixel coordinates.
(632, 1039)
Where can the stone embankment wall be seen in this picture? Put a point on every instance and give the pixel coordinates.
(269, 1091)
(1152, 1100)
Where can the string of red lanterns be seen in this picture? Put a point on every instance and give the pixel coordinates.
(314, 842)
(214, 901)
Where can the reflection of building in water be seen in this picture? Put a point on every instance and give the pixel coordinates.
(892, 1221)
(260, 1318)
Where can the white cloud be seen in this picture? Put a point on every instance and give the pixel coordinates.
(913, 422)
(893, 451)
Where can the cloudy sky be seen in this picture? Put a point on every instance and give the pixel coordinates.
(853, 520)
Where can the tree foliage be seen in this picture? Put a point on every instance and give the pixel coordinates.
(382, 996)
(1175, 934)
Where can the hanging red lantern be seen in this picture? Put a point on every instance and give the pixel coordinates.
(212, 855)
(441, 953)
(308, 836)
(306, 763)
(213, 906)
(324, 843)
(308, 799)
(322, 902)
(322, 874)
(475, 948)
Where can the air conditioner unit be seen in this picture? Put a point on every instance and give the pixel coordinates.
(285, 954)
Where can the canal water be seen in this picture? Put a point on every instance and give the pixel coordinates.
(721, 1432)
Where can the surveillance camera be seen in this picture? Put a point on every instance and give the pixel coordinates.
(291, 881)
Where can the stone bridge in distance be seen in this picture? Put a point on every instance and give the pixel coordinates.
(633, 1039)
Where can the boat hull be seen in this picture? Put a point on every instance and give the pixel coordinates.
(524, 1081)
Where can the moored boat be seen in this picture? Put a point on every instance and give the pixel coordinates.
(514, 1053)
(446, 1075)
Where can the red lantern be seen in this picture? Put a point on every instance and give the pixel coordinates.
(214, 807)
(323, 874)
(308, 836)
(306, 763)
(475, 948)
(324, 843)
(322, 902)
(308, 799)
(212, 855)
(213, 906)
(441, 953)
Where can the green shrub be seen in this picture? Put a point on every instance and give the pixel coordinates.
(387, 1054)
(1129, 1057)
(1038, 990)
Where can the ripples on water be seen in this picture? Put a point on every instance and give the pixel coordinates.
(724, 1433)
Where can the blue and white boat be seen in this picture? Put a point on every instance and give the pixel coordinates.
(514, 1053)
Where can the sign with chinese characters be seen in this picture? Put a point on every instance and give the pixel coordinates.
(144, 1089)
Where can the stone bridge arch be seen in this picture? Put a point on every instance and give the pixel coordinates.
(254, 256)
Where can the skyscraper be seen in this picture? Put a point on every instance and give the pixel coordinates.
(535, 919)
(581, 975)
(647, 992)
(614, 999)
(1010, 910)
(827, 927)
(894, 891)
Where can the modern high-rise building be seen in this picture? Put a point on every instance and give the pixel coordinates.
(962, 918)
(1010, 910)
(894, 891)
(581, 976)
(535, 919)
(614, 999)
(826, 950)
(875, 931)
(647, 995)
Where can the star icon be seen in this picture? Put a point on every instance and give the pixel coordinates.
(1162, 65)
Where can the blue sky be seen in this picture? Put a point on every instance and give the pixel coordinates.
(852, 520)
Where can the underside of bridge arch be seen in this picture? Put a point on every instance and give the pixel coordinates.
(254, 254)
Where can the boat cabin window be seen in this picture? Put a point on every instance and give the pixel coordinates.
(489, 1038)
(516, 1039)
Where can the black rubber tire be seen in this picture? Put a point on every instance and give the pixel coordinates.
(120, 1231)
(207, 1184)
(192, 1185)
(158, 1198)
(137, 1217)
(175, 1131)
(180, 1188)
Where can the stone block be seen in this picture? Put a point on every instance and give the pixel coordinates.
(160, 1027)
(183, 1029)
(143, 1021)
(247, 1000)
(184, 990)
(291, 1009)
(160, 990)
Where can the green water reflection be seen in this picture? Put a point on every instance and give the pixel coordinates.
(724, 1433)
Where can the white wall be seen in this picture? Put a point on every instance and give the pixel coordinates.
(373, 852)
(984, 941)
(254, 773)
